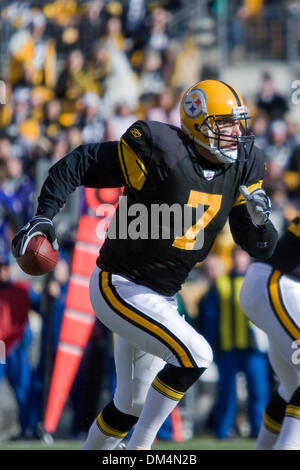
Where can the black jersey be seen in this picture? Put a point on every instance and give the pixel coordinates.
(286, 257)
(160, 168)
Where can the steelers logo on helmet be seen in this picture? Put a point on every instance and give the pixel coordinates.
(194, 103)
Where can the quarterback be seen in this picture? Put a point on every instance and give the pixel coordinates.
(270, 297)
(158, 354)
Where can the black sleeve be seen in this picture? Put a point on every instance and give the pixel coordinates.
(92, 165)
(259, 242)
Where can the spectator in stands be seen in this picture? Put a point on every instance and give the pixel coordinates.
(50, 124)
(151, 77)
(158, 37)
(16, 334)
(72, 83)
(279, 149)
(9, 218)
(259, 127)
(166, 109)
(122, 119)
(20, 188)
(269, 100)
(92, 124)
(238, 347)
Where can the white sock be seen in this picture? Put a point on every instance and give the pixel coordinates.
(289, 437)
(266, 439)
(156, 409)
(97, 440)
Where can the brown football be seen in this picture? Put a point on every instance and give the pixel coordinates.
(39, 257)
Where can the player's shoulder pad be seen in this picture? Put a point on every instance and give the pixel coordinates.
(169, 143)
(138, 138)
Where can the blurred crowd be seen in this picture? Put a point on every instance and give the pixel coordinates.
(82, 72)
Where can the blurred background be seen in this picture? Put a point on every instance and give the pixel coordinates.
(76, 72)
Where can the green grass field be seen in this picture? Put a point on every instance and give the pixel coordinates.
(203, 443)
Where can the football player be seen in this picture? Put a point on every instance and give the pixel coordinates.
(270, 298)
(202, 165)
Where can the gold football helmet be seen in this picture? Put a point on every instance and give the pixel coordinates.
(205, 109)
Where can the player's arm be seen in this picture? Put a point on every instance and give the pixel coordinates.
(249, 219)
(259, 241)
(91, 165)
(106, 165)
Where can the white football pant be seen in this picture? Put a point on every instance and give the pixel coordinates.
(273, 304)
(149, 332)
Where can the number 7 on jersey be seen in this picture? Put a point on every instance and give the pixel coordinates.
(213, 201)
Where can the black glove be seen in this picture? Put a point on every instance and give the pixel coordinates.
(258, 205)
(39, 225)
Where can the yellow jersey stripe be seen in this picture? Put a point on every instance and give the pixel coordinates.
(142, 322)
(240, 199)
(278, 307)
(133, 168)
(293, 411)
(166, 390)
(270, 424)
(107, 429)
(122, 163)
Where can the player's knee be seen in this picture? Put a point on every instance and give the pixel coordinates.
(274, 412)
(176, 380)
(201, 351)
(112, 418)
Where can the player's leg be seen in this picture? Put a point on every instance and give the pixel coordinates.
(289, 437)
(271, 301)
(135, 371)
(289, 389)
(151, 323)
(274, 413)
(271, 424)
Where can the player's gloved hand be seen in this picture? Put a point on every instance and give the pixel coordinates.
(258, 205)
(38, 225)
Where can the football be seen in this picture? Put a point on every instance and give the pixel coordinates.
(39, 257)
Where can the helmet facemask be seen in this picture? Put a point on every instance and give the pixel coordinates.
(225, 147)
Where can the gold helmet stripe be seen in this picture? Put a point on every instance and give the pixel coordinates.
(238, 101)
